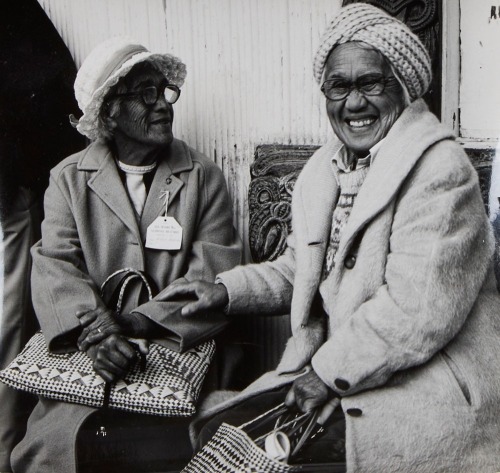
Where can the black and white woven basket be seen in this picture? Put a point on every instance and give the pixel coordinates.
(168, 386)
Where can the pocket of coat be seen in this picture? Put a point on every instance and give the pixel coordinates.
(458, 375)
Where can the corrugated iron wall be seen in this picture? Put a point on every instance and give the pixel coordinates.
(249, 82)
(249, 69)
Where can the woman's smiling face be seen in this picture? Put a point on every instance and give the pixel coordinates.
(361, 121)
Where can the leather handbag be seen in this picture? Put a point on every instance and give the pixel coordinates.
(166, 383)
(184, 333)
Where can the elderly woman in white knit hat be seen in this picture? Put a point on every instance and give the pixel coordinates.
(98, 208)
(387, 275)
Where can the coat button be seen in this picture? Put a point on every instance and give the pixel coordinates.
(168, 180)
(354, 412)
(342, 384)
(350, 261)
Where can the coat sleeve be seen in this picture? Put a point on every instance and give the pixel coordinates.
(440, 249)
(215, 246)
(61, 285)
(264, 288)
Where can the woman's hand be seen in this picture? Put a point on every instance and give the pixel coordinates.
(98, 326)
(112, 357)
(137, 325)
(308, 392)
(208, 295)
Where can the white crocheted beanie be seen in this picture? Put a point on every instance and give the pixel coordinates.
(371, 25)
(105, 66)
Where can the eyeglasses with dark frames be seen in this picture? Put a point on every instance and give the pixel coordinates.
(150, 95)
(337, 89)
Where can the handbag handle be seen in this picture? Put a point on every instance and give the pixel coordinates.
(287, 422)
(130, 275)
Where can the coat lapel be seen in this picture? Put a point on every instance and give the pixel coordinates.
(176, 159)
(319, 194)
(106, 183)
(407, 140)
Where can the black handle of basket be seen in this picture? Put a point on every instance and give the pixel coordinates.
(130, 275)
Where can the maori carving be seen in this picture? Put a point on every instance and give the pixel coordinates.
(274, 173)
(417, 14)
(482, 160)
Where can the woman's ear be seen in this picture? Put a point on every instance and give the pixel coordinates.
(109, 112)
(110, 122)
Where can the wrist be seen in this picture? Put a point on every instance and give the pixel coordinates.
(224, 296)
(133, 324)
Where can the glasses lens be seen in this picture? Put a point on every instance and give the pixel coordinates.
(372, 88)
(339, 93)
(171, 93)
(150, 95)
(335, 90)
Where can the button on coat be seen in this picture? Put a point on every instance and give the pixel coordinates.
(350, 261)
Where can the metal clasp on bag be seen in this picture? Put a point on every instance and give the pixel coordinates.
(101, 432)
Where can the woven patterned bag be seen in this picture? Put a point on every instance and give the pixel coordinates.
(233, 450)
(168, 386)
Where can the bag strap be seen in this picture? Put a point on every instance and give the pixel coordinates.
(130, 275)
(292, 424)
(264, 418)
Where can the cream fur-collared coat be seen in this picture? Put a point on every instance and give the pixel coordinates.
(414, 326)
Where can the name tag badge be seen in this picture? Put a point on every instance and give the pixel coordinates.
(164, 233)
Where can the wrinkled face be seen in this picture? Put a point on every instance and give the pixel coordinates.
(138, 122)
(361, 121)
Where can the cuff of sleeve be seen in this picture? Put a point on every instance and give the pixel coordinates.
(324, 365)
(226, 308)
(237, 290)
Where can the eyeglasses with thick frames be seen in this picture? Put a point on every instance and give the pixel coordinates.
(337, 89)
(150, 95)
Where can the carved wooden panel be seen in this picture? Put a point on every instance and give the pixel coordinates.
(417, 14)
(482, 160)
(274, 173)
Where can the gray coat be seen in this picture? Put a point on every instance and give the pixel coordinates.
(414, 325)
(90, 230)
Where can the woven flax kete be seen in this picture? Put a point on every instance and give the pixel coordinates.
(168, 387)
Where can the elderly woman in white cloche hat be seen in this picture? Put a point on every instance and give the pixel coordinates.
(387, 274)
(98, 208)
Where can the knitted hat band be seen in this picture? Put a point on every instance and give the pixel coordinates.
(368, 24)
